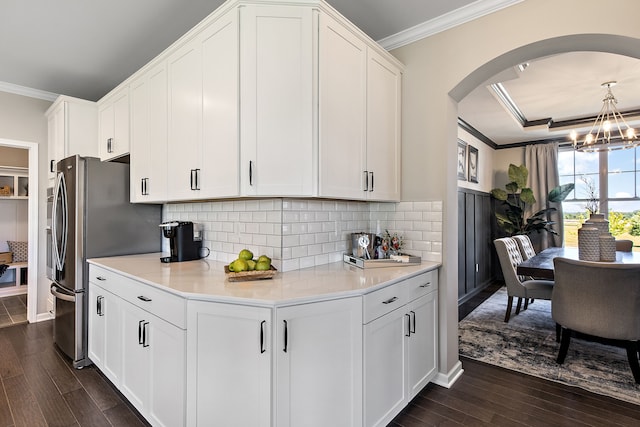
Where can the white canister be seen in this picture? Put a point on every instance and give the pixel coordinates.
(589, 243)
(607, 248)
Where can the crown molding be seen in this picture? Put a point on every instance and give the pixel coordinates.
(27, 91)
(449, 20)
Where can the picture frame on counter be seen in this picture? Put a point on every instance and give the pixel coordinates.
(473, 164)
(462, 160)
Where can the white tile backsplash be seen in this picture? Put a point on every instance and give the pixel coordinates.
(300, 233)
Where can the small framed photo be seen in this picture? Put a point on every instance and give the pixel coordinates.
(473, 164)
(462, 160)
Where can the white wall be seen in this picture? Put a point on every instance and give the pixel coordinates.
(23, 120)
(502, 159)
(442, 69)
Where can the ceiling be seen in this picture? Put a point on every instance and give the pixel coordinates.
(86, 48)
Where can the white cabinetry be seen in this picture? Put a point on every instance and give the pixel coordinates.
(360, 94)
(229, 365)
(342, 101)
(14, 182)
(277, 48)
(383, 128)
(318, 355)
(72, 128)
(113, 124)
(149, 136)
(399, 345)
(149, 335)
(203, 113)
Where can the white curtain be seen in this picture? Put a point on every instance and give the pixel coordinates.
(542, 162)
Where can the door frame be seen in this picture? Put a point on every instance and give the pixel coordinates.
(32, 233)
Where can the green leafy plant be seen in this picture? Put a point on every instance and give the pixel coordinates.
(516, 197)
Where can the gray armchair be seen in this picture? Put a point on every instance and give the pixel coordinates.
(526, 247)
(598, 299)
(518, 286)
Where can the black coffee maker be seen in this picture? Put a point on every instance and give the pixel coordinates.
(184, 243)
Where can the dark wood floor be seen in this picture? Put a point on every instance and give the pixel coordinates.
(486, 395)
(40, 388)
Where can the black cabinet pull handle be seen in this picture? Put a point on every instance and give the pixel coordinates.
(197, 179)
(143, 298)
(426, 285)
(99, 307)
(408, 334)
(371, 174)
(192, 178)
(413, 322)
(250, 172)
(262, 324)
(110, 145)
(390, 300)
(102, 279)
(140, 332)
(145, 340)
(52, 165)
(286, 336)
(366, 181)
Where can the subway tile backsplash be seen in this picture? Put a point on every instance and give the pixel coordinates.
(300, 233)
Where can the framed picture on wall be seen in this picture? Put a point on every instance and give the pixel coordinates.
(462, 160)
(473, 164)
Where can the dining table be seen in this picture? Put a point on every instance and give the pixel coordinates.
(540, 266)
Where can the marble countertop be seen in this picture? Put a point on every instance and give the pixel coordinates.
(206, 280)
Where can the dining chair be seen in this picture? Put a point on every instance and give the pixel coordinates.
(623, 245)
(518, 286)
(526, 247)
(598, 299)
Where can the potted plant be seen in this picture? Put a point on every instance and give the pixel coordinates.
(516, 197)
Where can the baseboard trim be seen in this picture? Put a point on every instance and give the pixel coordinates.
(44, 316)
(448, 379)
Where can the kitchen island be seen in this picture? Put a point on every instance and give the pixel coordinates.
(327, 345)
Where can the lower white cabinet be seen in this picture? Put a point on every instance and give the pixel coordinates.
(141, 354)
(400, 350)
(318, 355)
(229, 365)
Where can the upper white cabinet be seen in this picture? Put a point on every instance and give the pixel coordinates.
(265, 100)
(149, 136)
(342, 116)
(203, 113)
(113, 132)
(277, 93)
(72, 128)
(384, 93)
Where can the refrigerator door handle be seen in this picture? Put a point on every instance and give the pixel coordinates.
(60, 193)
(59, 292)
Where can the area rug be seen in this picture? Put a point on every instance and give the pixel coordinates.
(528, 344)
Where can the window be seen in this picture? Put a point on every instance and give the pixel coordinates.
(608, 181)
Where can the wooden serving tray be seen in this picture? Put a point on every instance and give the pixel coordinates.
(249, 275)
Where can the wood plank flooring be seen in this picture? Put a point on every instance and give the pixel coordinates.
(40, 388)
(13, 310)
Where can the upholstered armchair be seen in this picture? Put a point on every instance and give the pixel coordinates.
(598, 299)
(526, 247)
(518, 286)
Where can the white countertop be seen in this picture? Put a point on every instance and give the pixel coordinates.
(205, 280)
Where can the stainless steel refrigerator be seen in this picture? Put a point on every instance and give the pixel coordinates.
(91, 217)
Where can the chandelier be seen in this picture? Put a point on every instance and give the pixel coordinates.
(613, 132)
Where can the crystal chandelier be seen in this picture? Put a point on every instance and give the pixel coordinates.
(613, 132)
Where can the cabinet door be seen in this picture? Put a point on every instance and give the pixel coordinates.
(97, 319)
(277, 94)
(113, 116)
(318, 349)
(422, 342)
(342, 104)
(105, 128)
(185, 121)
(219, 172)
(135, 370)
(166, 344)
(229, 367)
(383, 128)
(385, 364)
(56, 137)
(149, 136)
(105, 332)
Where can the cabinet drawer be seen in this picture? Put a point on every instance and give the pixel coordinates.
(166, 306)
(383, 301)
(421, 284)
